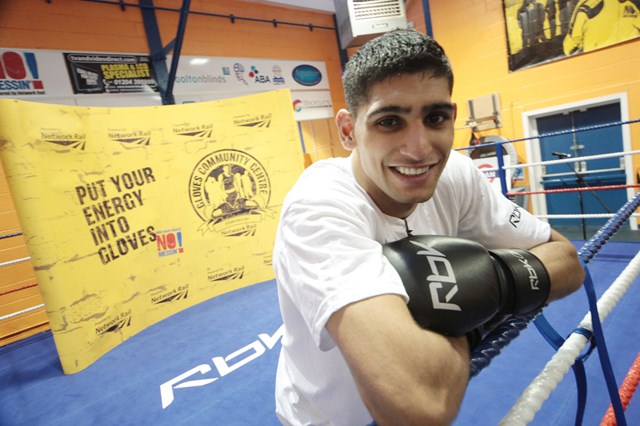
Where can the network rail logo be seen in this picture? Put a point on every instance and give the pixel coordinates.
(258, 120)
(226, 274)
(131, 138)
(179, 293)
(115, 323)
(64, 139)
(202, 130)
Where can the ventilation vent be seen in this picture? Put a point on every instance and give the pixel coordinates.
(377, 9)
(361, 20)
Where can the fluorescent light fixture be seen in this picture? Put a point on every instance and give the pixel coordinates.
(198, 61)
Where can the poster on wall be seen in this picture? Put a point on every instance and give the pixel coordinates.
(134, 214)
(122, 79)
(110, 73)
(25, 75)
(198, 74)
(540, 31)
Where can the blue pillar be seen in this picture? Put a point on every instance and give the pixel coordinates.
(427, 17)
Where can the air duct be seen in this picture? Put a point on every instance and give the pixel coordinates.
(361, 20)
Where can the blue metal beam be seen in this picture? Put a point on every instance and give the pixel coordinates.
(182, 24)
(344, 57)
(158, 53)
(427, 17)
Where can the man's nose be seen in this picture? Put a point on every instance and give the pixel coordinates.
(417, 142)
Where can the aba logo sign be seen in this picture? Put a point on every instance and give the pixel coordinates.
(230, 191)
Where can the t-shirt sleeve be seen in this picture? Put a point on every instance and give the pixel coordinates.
(493, 220)
(328, 259)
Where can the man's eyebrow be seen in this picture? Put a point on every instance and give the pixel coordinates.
(389, 108)
(397, 109)
(440, 106)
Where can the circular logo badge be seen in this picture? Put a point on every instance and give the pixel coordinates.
(228, 183)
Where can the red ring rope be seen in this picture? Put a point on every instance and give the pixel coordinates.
(627, 388)
(18, 289)
(588, 188)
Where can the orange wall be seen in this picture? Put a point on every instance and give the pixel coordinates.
(474, 37)
(415, 15)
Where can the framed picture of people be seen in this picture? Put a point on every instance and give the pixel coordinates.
(540, 31)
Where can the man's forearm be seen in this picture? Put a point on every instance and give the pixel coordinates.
(405, 374)
(436, 396)
(560, 258)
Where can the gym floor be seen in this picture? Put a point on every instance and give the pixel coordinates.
(215, 364)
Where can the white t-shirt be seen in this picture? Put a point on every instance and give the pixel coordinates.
(328, 254)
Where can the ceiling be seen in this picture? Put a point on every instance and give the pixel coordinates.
(326, 6)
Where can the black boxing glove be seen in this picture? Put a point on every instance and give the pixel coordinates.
(451, 282)
(524, 280)
(456, 285)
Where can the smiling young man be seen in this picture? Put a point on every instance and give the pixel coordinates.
(352, 352)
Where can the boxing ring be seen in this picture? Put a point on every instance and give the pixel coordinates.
(255, 308)
(570, 352)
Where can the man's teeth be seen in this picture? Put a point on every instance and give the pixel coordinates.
(412, 171)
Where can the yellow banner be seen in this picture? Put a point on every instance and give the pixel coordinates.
(134, 214)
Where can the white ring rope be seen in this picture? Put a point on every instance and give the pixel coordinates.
(14, 261)
(580, 216)
(24, 311)
(565, 160)
(539, 389)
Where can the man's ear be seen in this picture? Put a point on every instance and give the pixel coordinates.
(455, 111)
(346, 122)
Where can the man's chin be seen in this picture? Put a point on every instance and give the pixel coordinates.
(416, 198)
(410, 203)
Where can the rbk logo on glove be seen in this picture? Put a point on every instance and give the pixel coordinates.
(533, 276)
(436, 278)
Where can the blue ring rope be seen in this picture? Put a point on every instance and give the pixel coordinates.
(499, 338)
(495, 341)
(551, 134)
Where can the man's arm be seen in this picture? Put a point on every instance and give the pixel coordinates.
(560, 258)
(405, 374)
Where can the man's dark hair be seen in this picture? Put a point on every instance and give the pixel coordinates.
(392, 54)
